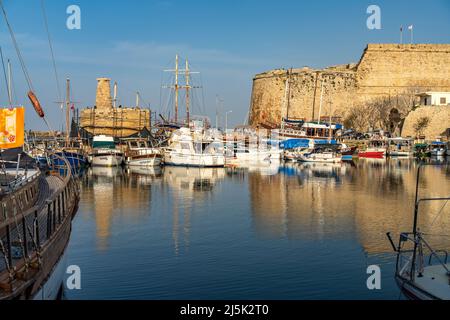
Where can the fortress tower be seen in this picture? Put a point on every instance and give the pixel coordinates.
(103, 99)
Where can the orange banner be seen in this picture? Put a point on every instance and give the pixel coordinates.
(12, 127)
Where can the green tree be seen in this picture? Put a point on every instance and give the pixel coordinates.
(420, 125)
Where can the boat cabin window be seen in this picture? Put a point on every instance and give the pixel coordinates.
(104, 145)
(185, 146)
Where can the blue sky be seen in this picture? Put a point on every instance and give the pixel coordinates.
(227, 41)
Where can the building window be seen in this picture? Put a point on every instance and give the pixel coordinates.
(443, 101)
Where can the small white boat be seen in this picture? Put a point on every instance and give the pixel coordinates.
(401, 147)
(139, 154)
(324, 157)
(259, 155)
(105, 153)
(422, 271)
(438, 149)
(193, 149)
(322, 153)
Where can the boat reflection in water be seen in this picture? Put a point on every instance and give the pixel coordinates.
(360, 201)
(116, 192)
(184, 233)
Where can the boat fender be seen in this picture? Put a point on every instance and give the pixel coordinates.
(36, 104)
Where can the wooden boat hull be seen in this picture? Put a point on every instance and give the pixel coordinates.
(55, 214)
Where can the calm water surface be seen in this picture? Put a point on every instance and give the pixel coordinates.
(294, 231)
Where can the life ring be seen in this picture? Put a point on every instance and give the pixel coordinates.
(36, 104)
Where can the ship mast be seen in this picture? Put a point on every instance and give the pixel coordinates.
(9, 84)
(187, 92)
(286, 101)
(67, 112)
(176, 86)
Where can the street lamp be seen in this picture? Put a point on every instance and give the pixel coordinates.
(226, 120)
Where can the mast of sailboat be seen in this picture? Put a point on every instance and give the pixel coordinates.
(137, 99)
(187, 92)
(330, 128)
(285, 100)
(67, 112)
(176, 88)
(9, 84)
(321, 102)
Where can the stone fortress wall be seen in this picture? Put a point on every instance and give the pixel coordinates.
(384, 70)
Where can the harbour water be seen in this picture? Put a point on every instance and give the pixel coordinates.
(289, 231)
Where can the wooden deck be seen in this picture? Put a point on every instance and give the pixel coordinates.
(35, 226)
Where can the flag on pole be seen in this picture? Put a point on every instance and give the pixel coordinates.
(410, 28)
(401, 34)
(72, 107)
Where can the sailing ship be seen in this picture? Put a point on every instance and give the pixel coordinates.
(417, 280)
(73, 148)
(194, 143)
(322, 128)
(35, 230)
(38, 206)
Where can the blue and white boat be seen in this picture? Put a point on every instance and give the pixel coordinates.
(438, 149)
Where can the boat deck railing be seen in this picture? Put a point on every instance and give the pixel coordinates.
(31, 223)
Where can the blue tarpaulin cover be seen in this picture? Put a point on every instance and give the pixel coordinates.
(294, 143)
(302, 143)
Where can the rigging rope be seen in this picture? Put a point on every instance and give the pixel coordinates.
(24, 69)
(51, 50)
(16, 47)
(439, 213)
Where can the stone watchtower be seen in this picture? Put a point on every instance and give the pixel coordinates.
(103, 99)
(118, 122)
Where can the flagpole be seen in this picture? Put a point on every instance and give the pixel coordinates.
(401, 35)
(411, 28)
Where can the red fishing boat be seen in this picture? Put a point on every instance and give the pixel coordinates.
(377, 149)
